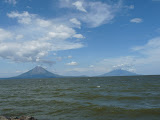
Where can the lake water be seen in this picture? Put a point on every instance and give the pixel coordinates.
(103, 98)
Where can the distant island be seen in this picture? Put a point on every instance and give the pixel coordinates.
(37, 72)
(40, 72)
(119, 72)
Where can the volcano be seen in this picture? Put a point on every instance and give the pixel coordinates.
(37, 72)
(119, 72)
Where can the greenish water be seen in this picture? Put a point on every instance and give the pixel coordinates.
(108, 98)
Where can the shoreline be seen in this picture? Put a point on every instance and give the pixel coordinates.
(18, 118)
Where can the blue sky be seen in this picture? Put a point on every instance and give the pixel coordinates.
(79, 37)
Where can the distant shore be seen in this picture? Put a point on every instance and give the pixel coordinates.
(17, 118)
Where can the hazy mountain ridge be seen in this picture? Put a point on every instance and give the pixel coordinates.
(40, 72)
(119, 72)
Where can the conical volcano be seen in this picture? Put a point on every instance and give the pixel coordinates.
(119, 72)
(38, 72)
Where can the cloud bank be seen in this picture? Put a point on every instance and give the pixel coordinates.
(93, 14)
(34, 38)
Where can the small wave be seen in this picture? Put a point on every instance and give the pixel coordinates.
(130, 98)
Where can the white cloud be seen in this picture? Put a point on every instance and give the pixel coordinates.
(79, 6)
(24, 51)
(76, 22)
(69, 57)
(72, 63)
(123, 62)
(91, 66)
(78, 36)
(5, 35)
(104, 66)
(35, 37)
(150, 56)
(151, 48)
(11, 1)
(24, 18)
(28, 7)
(19, 71)
(98, 13)
(18, 37)
(94, 13)
(54, 54)
(131, 7)
(145, 62)
(136, 20)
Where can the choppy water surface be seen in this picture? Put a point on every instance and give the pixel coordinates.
(109, 98)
